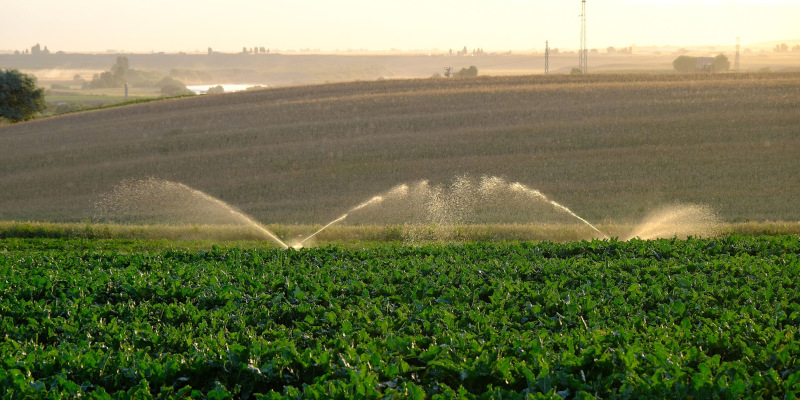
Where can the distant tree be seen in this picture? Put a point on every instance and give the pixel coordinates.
(685, 64)
(467, 72)
(781, 48)
(216, 90)
(20, 99)
(173, 87)
(575, 71)
(114, 78)
(120, 68)
(721, 63)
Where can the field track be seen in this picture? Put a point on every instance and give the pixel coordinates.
(610, 147)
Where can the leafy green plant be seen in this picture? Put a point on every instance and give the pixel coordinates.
(602, 319)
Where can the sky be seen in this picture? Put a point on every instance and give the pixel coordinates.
(147, 26)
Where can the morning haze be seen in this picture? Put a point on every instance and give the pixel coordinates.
(183, 25)
(351, 199)
(338, 104)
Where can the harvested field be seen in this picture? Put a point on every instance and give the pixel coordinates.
(610, 147)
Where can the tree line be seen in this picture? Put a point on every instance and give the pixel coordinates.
(689, 64)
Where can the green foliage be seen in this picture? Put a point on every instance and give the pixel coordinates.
(216, 90)
(121, 73)
(685, 64)
(20, 99)
(472, 71)
(639, 319)
(67, 108)
(114, 78)
(173, 87)
(721, 63)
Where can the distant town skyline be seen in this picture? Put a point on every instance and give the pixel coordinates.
(415, 25)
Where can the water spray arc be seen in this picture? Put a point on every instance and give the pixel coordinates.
(237, 214)
(376, 199)
(166, 202)
(518, 187)
(397, 190)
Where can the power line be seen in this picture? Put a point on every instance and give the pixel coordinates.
(583, 63)
(546, 57)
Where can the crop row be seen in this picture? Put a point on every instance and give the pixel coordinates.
(602, 319)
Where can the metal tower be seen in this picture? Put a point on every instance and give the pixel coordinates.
(546, 57)
(736, 63)
(583, 63)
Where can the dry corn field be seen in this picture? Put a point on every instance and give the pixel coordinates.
(609, 147)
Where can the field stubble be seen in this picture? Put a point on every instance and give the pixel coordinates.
(610, 147)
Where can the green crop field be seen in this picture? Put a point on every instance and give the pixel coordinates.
(696, 318)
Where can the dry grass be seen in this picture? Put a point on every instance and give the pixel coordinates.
(348, 235)
(610, 147)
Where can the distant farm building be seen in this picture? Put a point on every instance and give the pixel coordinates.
(704, 64)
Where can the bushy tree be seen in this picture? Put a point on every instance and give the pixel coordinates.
(173, 87)
(20, 99)
(120, 67)
(685, 64)
(721, 63)
(216, 90)
(467, 72)
(115, 78)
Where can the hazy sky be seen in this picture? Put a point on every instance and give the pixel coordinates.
(494, 25)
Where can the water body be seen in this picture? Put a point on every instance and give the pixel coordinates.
(229, 87)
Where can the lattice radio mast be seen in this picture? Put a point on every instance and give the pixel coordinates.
(736, 63)
(546, 57)
(583, 63)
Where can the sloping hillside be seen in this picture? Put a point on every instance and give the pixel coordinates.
(610, 147)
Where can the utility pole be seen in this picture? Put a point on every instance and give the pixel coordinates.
(736, 63)
(583, 63)
(546, 57)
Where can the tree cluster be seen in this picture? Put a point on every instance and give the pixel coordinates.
(121, 73)
(173, 87)
(467, 72)
(465, 52)
(114, 78)
(252, 50)
(784, 48)
(20, 99)
(688, 64)
(621, 50)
